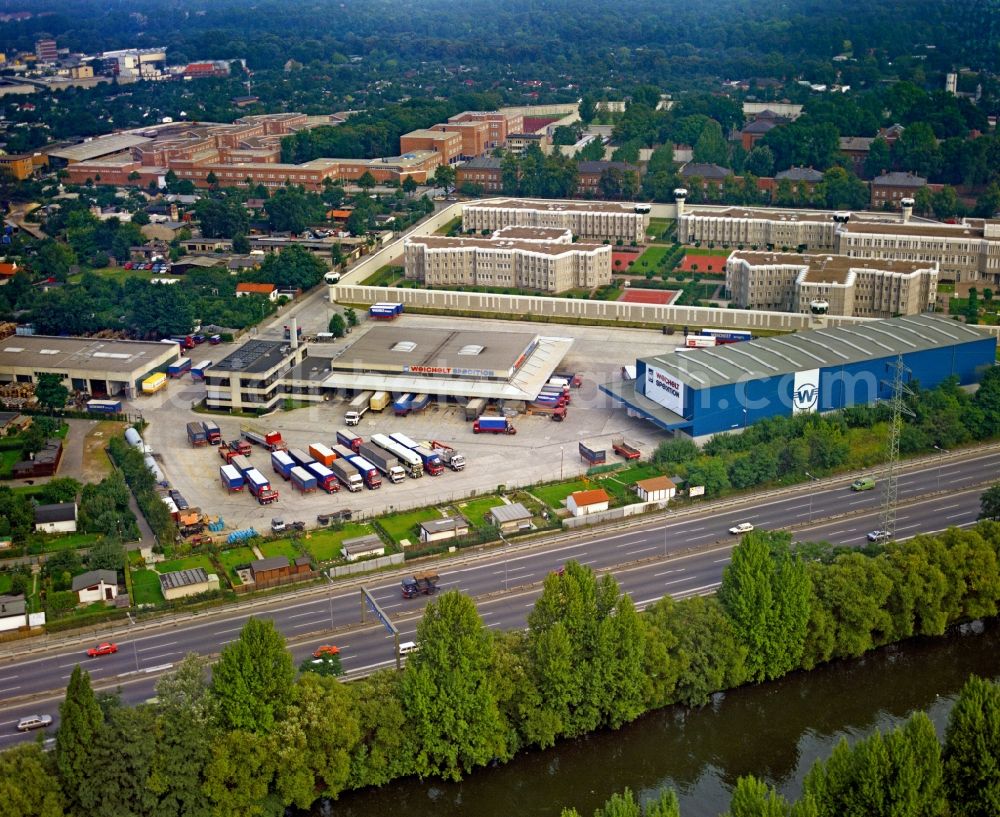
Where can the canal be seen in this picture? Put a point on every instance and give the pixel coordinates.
(774, 731)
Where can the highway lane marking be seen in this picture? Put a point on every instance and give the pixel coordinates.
(949, 507)
(645, 550)
(675, 581)
(164, 654)
(307, 613)
(666, 572)
(907, 527)
(711, 586)
(703, 536)
(839, 532)
(157, 647)
(233, 630)
(695, 530)
(9, 689)
(303, 624)
(861, 501)
(717, 561)
(392, 606)
(959, 515)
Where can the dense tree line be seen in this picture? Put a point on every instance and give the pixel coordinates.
(786, 448)
(143, 486)
(257, 738)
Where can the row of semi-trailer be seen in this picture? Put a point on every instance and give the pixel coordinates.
(239, 473)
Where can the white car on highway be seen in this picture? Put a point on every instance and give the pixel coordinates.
(743, 527)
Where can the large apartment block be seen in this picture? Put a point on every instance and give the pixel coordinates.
(831, 284)
(969, 251)
(520, 257)
(601, 221)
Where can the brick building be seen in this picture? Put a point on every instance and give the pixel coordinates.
(589, 176)
(485, 172)
(890, 188)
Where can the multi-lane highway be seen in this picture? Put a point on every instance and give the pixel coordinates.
(677, 556)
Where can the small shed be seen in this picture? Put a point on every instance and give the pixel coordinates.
(362, 547)
(58, 518)
(655, 489)
(180, 583)
(583, 503)
(271, 569)
(510, 517)
(436, 530)
(96, 585)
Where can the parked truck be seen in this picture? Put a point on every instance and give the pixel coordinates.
(475, 407)
(349, 439)
(357, 408)
(379, 401)
(228, 453)
(423, 582)
(241, 446)
(431, 460)
(449, 456)
(196, 434)
(325, 478)
(303, 479)
(178, 367)
(411, 463)
(623, 449)
(347, 475)
(260, 487)
(574, 380)
(369, 473)
(322, 453)
(593, 456)
(212, 431)
(282, 464)
(553, 410)
(241, 464)
(386, 464)
(385, 311)
(493, 425)
(271, 440)
(232, 479)
(401, 405)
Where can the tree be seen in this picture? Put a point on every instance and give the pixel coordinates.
(107, 554)
(55, 259)
(336, 326)
(447, 691)
(50, 391)
(444, 176)
(972, 751)
(754, 798)
(59, 489)
(878, 160)
(252, 680)
(122, 760)
(766, 593)
(366, 181)
(593, 151)
(759, 161)
(211, 179)
(917, 150)
(28, 783)
(352, 316)
(409, 185)
(711, 146)
(709, 472)
(989, 503)
(241, 244)
(80, 723)
(945, 202)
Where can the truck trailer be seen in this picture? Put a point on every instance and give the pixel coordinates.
(232, 479)
(322, 453)
(593, 456)
(349, 439)
(475, 407)
(385, 311)
(379, 401)
(196, 434)
(325, 478)
(411, 463)
(357, 408)
(623, 449)
(300, 456)
(212, 431)
(241, 463)
(419, 403)
(493, 425)
(303, 479)
(385, 463)
(347, 475)
(260, 487)
(369, 473)
(104, 406)
(401, 405)
(282, 464)
(154, 383)
(198, 370)
(271, 440)
(430, 459)
(177, 368)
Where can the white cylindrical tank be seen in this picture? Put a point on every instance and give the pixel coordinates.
(154, 469)
(133, 438)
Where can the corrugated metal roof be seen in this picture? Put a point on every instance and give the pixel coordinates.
(813, 349)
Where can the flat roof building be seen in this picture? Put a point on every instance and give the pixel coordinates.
(601, 220)
(251, 378)
(701, 392)
(97, 366)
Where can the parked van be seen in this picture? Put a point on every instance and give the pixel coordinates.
(406, 647)
(863, 484)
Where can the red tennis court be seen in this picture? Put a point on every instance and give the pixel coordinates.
(704, 263)
(662, 297)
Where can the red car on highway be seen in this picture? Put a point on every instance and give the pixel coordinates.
(107, 648)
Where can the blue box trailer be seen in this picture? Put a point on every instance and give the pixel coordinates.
(231, 478)
(104, 406)
(385, 311)
(300, 457)
(401, 406)
(420, 402)
(349, 439)
(282, 463)
(178, 368)
(198, 370)
(303, 479)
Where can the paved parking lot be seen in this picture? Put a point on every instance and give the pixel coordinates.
(542, 450)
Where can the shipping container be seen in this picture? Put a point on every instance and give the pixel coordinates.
(493, 425)
(385, 311)
(322, 453)
(593, 456)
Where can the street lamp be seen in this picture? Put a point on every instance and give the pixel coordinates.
(943, 451)
(135, 649)
(814, 479)
(330, 581)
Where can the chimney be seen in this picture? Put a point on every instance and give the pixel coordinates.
(907, 204)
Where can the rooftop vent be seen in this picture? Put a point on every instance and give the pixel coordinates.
(471, 349)
(404, 346)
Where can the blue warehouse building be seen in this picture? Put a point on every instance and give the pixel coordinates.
(701, 392)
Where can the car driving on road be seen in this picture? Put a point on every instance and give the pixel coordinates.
(33, 722)
(743, 527)
(107, 648)
(878, 536)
